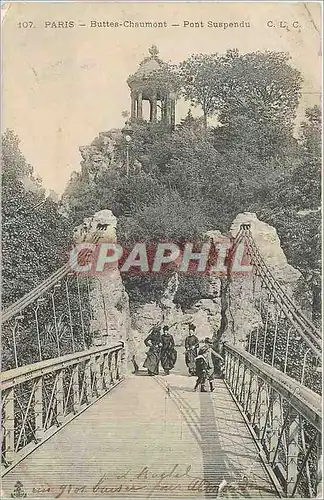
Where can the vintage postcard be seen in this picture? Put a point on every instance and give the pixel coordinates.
(161, 250)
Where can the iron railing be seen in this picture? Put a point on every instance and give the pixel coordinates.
(38, 399)
(52, 320)
(284, 417)
(284, 337)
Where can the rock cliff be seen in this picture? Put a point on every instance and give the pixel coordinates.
(108, 298)
(241, 312)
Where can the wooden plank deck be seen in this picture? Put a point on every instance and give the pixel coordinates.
(151, 438)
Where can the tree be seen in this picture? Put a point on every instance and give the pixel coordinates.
(35, 236)
(259, 86)
(172, 219)
(201, 77)
(36, 241)
(290, 200)
(262, 86)
(191, 123)
(258, 102)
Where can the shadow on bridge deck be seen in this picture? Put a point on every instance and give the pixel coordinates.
(151, 437)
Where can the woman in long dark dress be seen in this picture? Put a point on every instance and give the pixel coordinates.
(191, 346)
(168, 352)
(154, 342)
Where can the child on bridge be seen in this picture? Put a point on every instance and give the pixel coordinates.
(205, 366)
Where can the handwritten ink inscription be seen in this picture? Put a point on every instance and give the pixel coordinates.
(176, 478)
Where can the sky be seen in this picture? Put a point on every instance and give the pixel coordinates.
(62, 86)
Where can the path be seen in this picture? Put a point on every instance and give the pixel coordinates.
(150, 438)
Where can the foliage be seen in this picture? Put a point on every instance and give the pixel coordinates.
(189, 122)
(291, 200)
(191, 289)
(36, 239)
(181, 183)
(201, 80)
(262, 87)
(35, 236)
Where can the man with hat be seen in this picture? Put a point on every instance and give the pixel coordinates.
(205, 366)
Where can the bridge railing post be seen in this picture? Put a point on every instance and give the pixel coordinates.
(38, 409)
(292, 451)
(106, 374)
(238, 377)
(254, 398)
(113, 367)
(60, 397)
(243, 386)
(264, 409)
(118, 365)
(276, 424)
(9, 426)
(75, 389)
(232, 371)
(304, 448)
(226, 367)
(123, 361)
(247, 401)
(98, 362)
(87, 380)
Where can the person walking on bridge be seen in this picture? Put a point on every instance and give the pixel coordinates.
(168, 352)
(205, 366)
(154, 342)
(191, 346)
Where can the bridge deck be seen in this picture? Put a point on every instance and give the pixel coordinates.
(144, 441)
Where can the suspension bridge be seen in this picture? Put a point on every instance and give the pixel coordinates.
(81, 425)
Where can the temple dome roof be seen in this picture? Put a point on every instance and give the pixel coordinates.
(148, 65)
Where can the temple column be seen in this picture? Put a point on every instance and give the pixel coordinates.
(133, 106)
(139, 106)
(151, 110)
(163, 110)
(154, 108)
(167, 110)
(172, 117)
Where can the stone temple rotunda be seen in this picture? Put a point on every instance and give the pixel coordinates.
(153, 96)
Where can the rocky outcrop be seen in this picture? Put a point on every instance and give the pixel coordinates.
(166, 312)
(100, 154)
(108, 298)
(205, 314)
(268, 243)
(244, 293)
